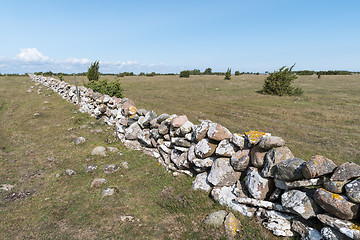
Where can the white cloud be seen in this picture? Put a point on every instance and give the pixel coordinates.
(77, 61)
(31, 55)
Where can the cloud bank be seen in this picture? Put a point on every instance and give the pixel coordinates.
(32, 60)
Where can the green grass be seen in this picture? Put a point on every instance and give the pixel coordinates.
(324, 120)
(66, 207)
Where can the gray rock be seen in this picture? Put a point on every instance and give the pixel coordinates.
(112, 149)
(299, 203)
(124, 165)
(79, 140)
(144, 138)
(238, 140)
(272, 158)
(187, 127)
(334, 186)
(132, 132)
(258, 156)
(222, 174)
(205, 148)
(225, 149)
(141, 112)
(232, 226)
(240, 160)
(345, 227)
(217, 132)
(201, 130)
(330, 233)
(164, 127)
(306, 232)
(290, 169)
(70, 172)
(258, 187)
(201, 182)
(269, 142)
(179, 159)
(216, 218)
(162, 117)
(150, 115)
(141, 121)
(90, 167)
(155, 133)
(318, 166)
(203, 163)
(99, 151)
(181, 142)
(353, 190)
(97, 182)
(109, 191)
(278, 223)
(110, 168)
(346, 171)
(191, 153)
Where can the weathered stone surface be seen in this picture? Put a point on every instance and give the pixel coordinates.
(154, 123)
(334, 186)
(179, 159)
(222, 174)
(141, 121)
(346, 171)
(345, 227)
(90, 167)
(260, 203)
(144, 138)
(225, 148)
(278, 223)
(164, 127)
(112, 149)
(128, 107)
(297, 184)
(336, 204)
(109, 191)
(187, 127)
(97, 182)
(150, 115)
(201, 182)
(257, 156)
(240, 160)
(6, 187)
(255, 136)
(110, 168)
(273, 157)
(70, 172)
(299, 203)
(205, 148)
(141, 112)
(132, 132)
(238, 140)
(79, 140)
(353, 190)
(218, 132)
(232, 226)
(124, 165)
(258, 187)
(181, 142)
(306, 232)
(99, 151)
(216, 218)
(290, 169)
(201, 130)
(162, 117)
(178, 121)
(318, 166)
(269, 142)
(191, 153)
(204, 163)
(330, 233)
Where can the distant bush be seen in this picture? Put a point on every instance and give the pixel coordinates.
(61, 77)
(304, 72)
(237, 73)
(93, 71)
(185, 74)
(279, 83)
(228, 74)
(208, 71)
(335, 72)
(111, 88)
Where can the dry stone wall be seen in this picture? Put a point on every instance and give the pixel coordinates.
(253, 173)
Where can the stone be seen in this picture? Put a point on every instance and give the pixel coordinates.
(255, 136)
(179, 159)
(154, 123)
(318, 166)
(191, 153)
(112, 149)
(141, 121)
(99, 151)
(299, 203)
(201, 130)
(269, 142)
(240, 160)
(278, 223)
(109, 191)
(352, 190)
(124, 165)
(201, 182)
(222, 174)
(98, 130)
(258, 187)
(298, 184)
(70, 172)
(79, 140)
(90, 167)
(334, 186)
(232, 226)
(257, 156)
(225, 149)
(205, 148)
(150, 115)
(290, 169)
(260, 203)
(203, 163)
(347, 228)
(155, 133)
(216, 219)
(102, 108)
(97, 182)
(110, 168)
(330, 233)
(272, 158)
(238, 140)
(141, 112)
(162, 117)
(178, 121)
(144, 138)
(346, 171)
(218, 132)
(164, 128)
(129, 107)
(132, 132)
(181, 142)
(6, 187)
(306, 232)
(336, 204)
(187, 127)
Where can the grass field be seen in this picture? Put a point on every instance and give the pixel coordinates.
(33, 149)
(325, 120)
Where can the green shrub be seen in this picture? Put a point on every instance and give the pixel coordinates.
(185, 74)
(228, 74)
(93, 71)
(61, 77)
(208, 71)
(279, 83)
(111, 88)
(237, 73)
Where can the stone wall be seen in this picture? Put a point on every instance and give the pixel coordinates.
(253, 173)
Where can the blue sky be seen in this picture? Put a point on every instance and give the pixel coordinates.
(169, 36)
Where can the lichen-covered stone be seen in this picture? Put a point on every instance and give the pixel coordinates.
(318, 166)
(99, 150)
(150, 115)
(240, 160)
(232, 226)
(179, 159)
(144, 138)
(216, 218)
(346, 171)
(162, 117)
(201, 130)
(269, 142)
(204, 163)
(278, 223)
(273, 157)
(164, 127)
(255, 136)
(225, 149)
(257, 156)
(353, 190)
(334, 186)
(238, 140)
(97, 182)
(187, 127)
(290, 169)
(222, 174)
(132, 132)
(178, 121)
(201, 182)
(329, 233)
(258, 187)
(205, 148)
(299, 203)
(306, 232)
(181, 142)
(347, 228)
(336, 204)
(218, 132)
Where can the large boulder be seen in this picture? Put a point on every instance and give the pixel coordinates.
(238, 140)
(240, 160)
(336, 204)
(299, 203)
(201, 182)
(225, 149)
(218, 132)
(132, 132)
(318, 166)
(273, 157)
(353, 190)
(346, 171)
(290, 169)
(205, 148)
(222, 174)
(258, 156)
(269, 142)
(258, 187)
(201, 130)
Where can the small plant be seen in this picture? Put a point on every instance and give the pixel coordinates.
(93, 71)
(237, 73)
(185, 74)
(279, 83)
(111, 88)
(228, 74)
(61, 77)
